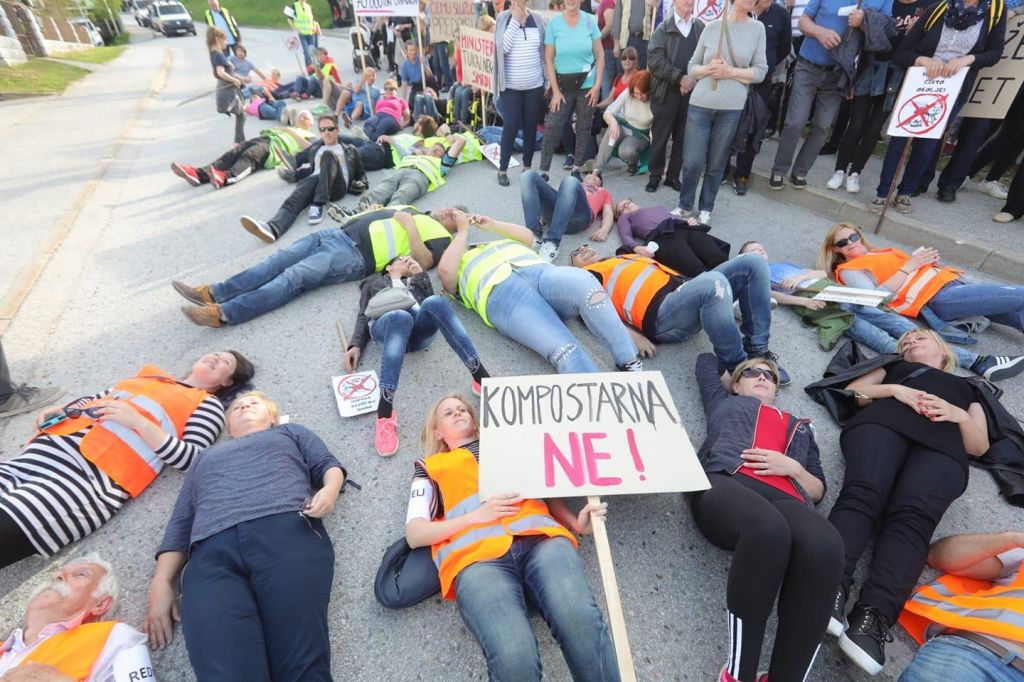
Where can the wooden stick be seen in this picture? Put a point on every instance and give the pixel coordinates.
(419, 44)
(342, 336)
(721, 38)
(895, 180)
(362, 58)
(611, 595)
(483, 107)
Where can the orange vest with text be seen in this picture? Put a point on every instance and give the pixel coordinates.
(632, 282)
(967, 604)
(918, 288)
(120, 452)
(456, 474)
(73, 652)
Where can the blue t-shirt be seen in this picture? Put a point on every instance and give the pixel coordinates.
(243, 67)
(574, 47)
(410, 72)
(780, 271)
(220, 22)
(825, 13)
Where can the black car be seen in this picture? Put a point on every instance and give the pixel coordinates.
(171, 18)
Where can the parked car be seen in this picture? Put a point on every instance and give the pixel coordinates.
(140, 11)
(94, 33)
(171, 18)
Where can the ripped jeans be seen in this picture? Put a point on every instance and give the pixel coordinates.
(531, 305)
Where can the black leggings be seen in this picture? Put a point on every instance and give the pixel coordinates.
(689, 252)
(14, 544)
(780, 547)
(900, 489)
(867, 114)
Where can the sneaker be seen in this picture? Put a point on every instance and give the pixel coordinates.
(188, 173)
(346, 119)
(218, 178)
(28, 398)
(865, 638)
(998, 367)
(634, 365)
(946, 196)
(853, 183)
(570, 161)
(548, 251)
(205, 316)
(315, 215)
(652, 184)
(836, 181)
(775, 182)
(993, 188)
(674, 184)
(902, 204)
(678, 212)
(739, 185)
(544, 175)
(503, 178)
(341, 214)
(784, 379)
(385, 435)
(837, 621)
(1003, 217)
(200, 295)
(877, 204)
(536, 243)
(475, 388)
(285, 173)
(704, 217)
(724, 676)
(259, 229)
(797, 182)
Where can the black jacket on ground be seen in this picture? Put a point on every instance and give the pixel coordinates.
(419, 286)
(357, 182)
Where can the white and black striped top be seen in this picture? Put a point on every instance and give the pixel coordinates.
(521, 48)
(57, 496)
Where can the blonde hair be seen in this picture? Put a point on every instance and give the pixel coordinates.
(486, 23)
(949, 362)
(430, 443)
(213, 36)
(828, 258)
(390, 83)
(272, 407)
(754, 362)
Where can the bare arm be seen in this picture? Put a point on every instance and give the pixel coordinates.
(223, 74)
(607, 220)
(519, 233)
(448, 268)
(973, 555)
(420, 253)
(421, 532)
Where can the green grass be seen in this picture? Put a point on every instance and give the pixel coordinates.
(39, 77)
(265, 13)
(97, 55)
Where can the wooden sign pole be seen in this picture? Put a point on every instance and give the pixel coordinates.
(721, 37)
(620, 638)
(342, 336)
(423, 57)
(362, 59)
(483, 107)
(895, 180)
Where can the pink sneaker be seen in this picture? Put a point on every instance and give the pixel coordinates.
(475, 387)
(724, 676)
(385, 437)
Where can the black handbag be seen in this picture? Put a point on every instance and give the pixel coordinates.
(571, 83)
(406, 576)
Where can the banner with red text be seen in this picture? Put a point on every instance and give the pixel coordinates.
(476, 50)
(568, 435)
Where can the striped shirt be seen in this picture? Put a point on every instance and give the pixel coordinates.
(521, 48)
(57, 496)
(425, 499)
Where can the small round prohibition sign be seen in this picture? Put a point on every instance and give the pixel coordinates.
(922, 113)
(354, 386)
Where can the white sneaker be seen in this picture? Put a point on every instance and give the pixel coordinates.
(836, 181)
(704, 218)
(678, 213)
(853, 183)
(993, 188)
(549, 251)
(536, 243)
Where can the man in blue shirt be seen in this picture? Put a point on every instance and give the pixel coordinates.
(819, 81)
(222, 19)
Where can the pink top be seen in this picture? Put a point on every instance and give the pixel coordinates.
(597, 197)
(392, 106)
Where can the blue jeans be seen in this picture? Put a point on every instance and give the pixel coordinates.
(402, 331)
(706, 147)
(565, 211)
(956, 658)
(879, 330)
(705, 302)
(521, 110)
(530, 306)
(324, 257)
(309, 45)
(612, 68)
(462, 98)
(380, 124)
(546, 572)
(271, 111)
(424, 105)
(310, 86)
(1001, 303)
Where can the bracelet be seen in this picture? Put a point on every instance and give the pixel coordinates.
(860, 396)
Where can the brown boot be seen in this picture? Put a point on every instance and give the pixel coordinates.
(200, 295)
(204, 316)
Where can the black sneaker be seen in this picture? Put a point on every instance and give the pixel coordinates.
(652, 184)
(798, 183)
(865, 638)
(946, 196)
(784, 379)
(569, 162)
(776, 182)
(634, 365)
(837, 621)
(998, 367)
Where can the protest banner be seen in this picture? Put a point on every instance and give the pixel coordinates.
(708, 10)
(476, 50)
(868, 297)
(386, 8)
(356, 393)
(446, 16)
(996, 86)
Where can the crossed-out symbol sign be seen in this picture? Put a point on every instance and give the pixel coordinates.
(356, 386)
(922, 113)
(709, 10)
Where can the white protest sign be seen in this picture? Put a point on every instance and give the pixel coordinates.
(853, 295)
(476, 49)
(924, 106)
(566, 435)
(446, 16)
(996, 86)
(356, 393)
(492, 152)
(133, 665)
(708, 10)
(386, 8)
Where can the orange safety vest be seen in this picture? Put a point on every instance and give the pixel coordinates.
(967, 604)
(73, 652)
(456, 474)
(918, 288)
(632, 282)
(120, 452)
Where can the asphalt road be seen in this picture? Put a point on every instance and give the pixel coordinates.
(104, 306)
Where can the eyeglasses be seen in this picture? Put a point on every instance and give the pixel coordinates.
(576, 252)
(76, 412)
(329, 130)
(852, 239)
(755, 372)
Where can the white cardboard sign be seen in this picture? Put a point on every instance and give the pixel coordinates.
(569, 435)
(386, 8)
(853, 295)
(924, 106)
(356, 393)
(996, 86)
(492, 152)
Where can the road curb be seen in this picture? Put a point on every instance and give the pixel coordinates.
(991, 260)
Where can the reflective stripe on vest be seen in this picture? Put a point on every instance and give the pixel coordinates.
(303, 19)
(486, 266)
(73, 652)
(966, 604)
(388, 238)
(430, 166)
(401, 145)
(632, 283)
(917, 289)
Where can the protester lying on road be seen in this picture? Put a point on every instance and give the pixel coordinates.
(260, 562)
(766, 477)
(490, 554)
(683, 245)
(399, 310)
(361, 247)
(66, 634)
(326, 171)
(93, 454)
(422, 171)
(568, 210)
(527, 299)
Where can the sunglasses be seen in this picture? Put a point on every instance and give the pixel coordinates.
(852, 239)
(576, 252)
(76, 412)
(627, 59)
(328, 130)
(755, 372)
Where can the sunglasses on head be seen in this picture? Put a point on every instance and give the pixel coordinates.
(329, 129)
(754, 372)
(852, 239)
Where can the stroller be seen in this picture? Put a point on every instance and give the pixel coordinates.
(366, 53)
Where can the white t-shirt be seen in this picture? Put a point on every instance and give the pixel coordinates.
(338, 151)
